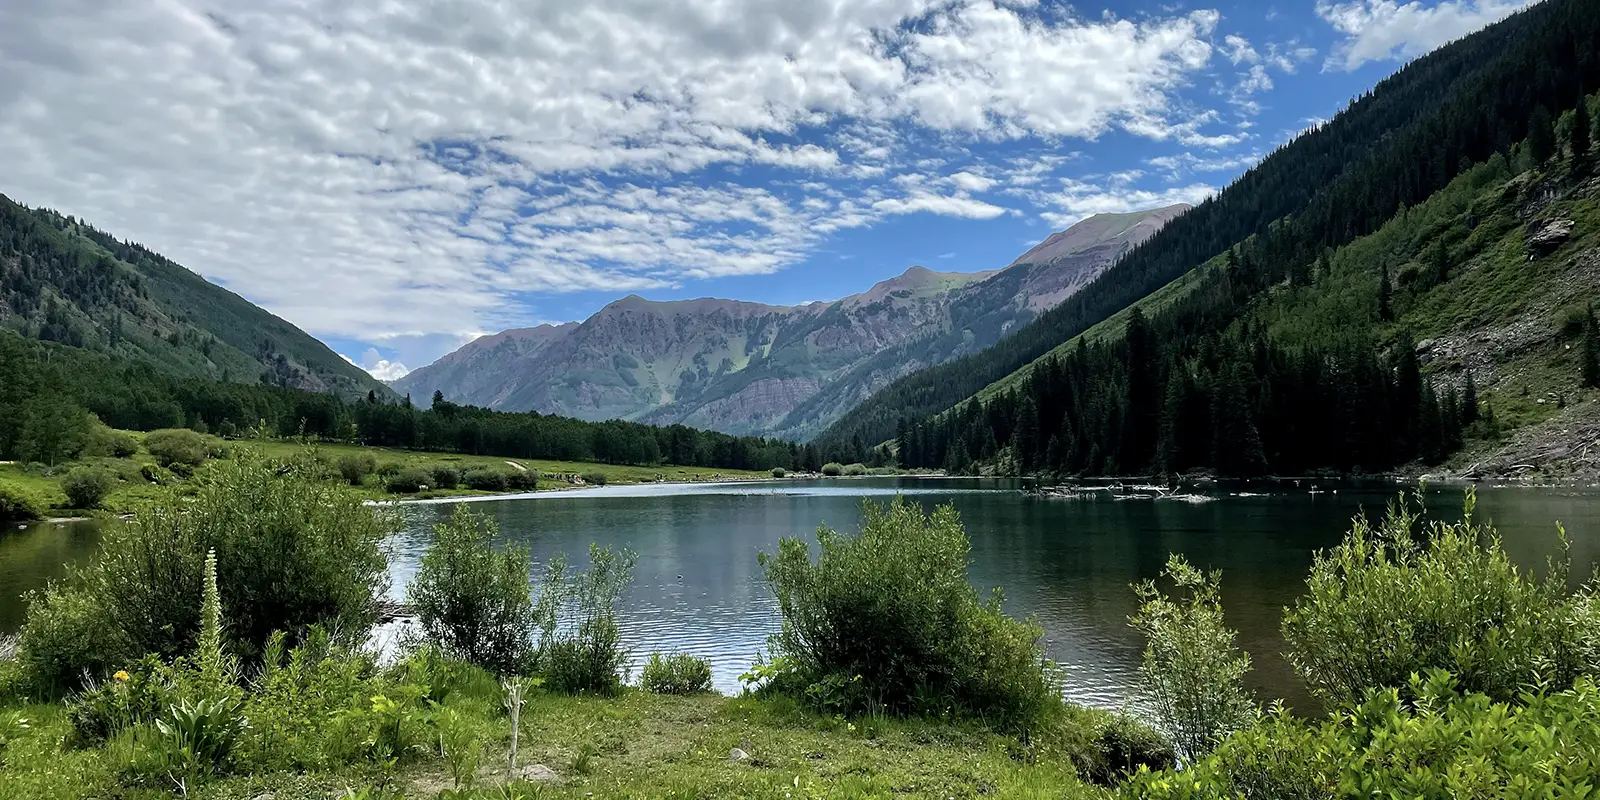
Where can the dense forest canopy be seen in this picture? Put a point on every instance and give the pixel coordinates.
(1392, 148)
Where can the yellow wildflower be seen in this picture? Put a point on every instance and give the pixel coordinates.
(122, 675)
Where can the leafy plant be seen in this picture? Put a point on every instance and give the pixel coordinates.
(1384, 605)
(176, 446)
(459, 744)
(594, 478)
(679, 673)
(588, 656)
(133, 696)
(443, 476)
(16, 505)
(1193, 669)
(200, 736)
(778, 472)
(85, 487)
(833, 469)
(888, 619)
(355, 468)
(475, 602)
(408, 481)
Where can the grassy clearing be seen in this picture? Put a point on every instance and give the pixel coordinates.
(636, 745)
(133, 489)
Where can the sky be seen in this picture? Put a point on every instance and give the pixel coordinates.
(397, 178)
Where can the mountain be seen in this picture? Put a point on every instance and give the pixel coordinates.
(64, 281)
(1425, 303)
(1390, 149)
(782, 370)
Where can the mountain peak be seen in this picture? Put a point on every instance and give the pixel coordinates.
(1121, 230)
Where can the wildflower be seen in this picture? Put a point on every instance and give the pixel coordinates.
(122, 675)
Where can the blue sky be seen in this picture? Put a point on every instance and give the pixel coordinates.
(398, 178)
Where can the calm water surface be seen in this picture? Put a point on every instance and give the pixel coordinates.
(698, 588)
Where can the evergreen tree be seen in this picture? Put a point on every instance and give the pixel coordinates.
(1591, 350)
(1143, 420)
(1469, 402)
(1541, 135)
(1385, 296)
(1025, 438)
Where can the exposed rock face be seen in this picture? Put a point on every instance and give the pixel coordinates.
(777, 370)
(1549, 235)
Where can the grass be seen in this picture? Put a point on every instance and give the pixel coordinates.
(133, 490)
(637, 746)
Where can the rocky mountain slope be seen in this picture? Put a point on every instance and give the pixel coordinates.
(64, 281)
(785, 370)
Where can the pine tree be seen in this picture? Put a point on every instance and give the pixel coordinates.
(1385, 296)
(1469, 402)
(1541, 135)
(1025, 438)
(1580, 142)
(1591, 351)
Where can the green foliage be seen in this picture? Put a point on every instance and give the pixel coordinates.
(1442, 743)
(292, 550)
(298, 703)
(1384, 605)
(778, 472)
(1121, 746)
(586, 655)
(855, 470)
(355, 467)
(474, 602)
(16, 505)
(51, 432)
(176, 447)
(199, 736)
(133, 696)
(486, 480)
(594, 478)
(1193, 669)
(87, 486)
(833, 469)
(678, 673)
(887, 619)
(408, 481)
(442, 476)
(104, 441)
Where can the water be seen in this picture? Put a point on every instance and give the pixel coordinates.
(698, 588)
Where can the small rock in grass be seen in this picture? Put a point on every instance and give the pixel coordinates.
(737, 755)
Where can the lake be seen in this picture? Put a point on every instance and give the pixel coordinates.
(698, 588)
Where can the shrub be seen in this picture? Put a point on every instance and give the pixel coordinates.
(889, 617)
(389, 468)
(105, 441)
(679, 673)
(486, 480)
(87, 486)
(158, 475)
(588, 657)
(1193, 669)
(778, 472)
(133, 696)
(1442, 744)
(408, 481)
(292, 549)
(474, 602)
(355, 468)
(443, 476)
(594, 478)
(522, 480)
(833, 469)
(176, 446)
(855, 470)
(16, 505)
(293, 698)
(1383, 605)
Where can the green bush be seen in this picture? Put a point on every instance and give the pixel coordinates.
(594, 478)
(389, 468)
(133, 696)
(1384, 605)
(522, 480)
(107, 442)
(587, 657)
(474, 602)
(408, 481)
(443, 476)
(16, 505)
(1443, 743)
(486, 480)
(778, 472)
(889, 618)
(833, 469)
(1193, 670)
(855, 470)
(87, 486)
(292, 548)
(679, 673)
(1118, 746)
(355, 468)
(177, 447)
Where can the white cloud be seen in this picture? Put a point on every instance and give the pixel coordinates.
(1077, 200)
(1239, 50)
(1377, 30)
(376, 171)
(379, 367)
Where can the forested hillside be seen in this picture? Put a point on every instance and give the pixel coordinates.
(64, 281)
(48, 391)
(1391, 149)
